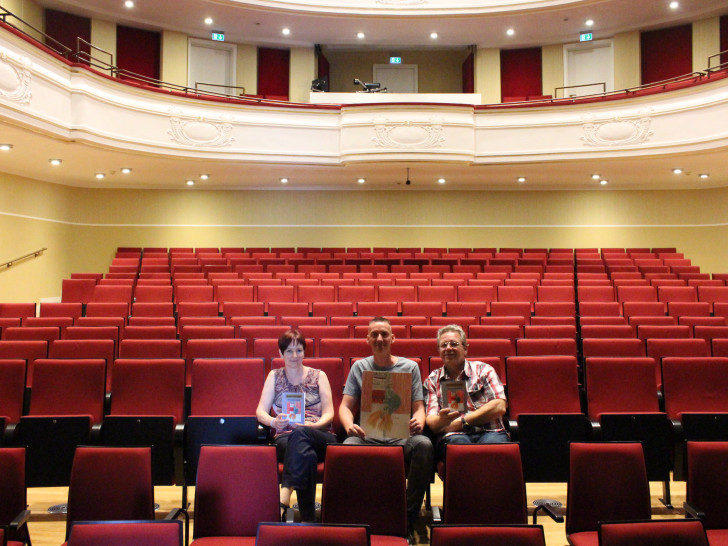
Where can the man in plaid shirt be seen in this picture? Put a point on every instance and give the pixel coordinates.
(482, 422)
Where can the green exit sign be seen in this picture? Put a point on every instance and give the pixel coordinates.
(218, 36)
(395, 60)
(586, 37)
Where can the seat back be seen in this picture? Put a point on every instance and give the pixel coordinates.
(126, 533)
(69, 387)
(695, 385)
(675, 532)
(620, 385)
(12, 390)
(619, 490)
(309, 534)
(230, 386)
(531, 378)
(148, 387)
(110, 483)
(237, 487)
(494, 497)
(381, 504)
(707, 479)
(13, 498)
(493, 535)
(150, 348)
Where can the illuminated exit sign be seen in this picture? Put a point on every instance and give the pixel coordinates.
(395, 60)
(586, 37)
(218, 36)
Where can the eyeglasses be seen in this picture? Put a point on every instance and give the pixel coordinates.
(452, 344)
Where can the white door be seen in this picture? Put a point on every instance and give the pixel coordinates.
(588, 66)
(213, 64)
(397, 78)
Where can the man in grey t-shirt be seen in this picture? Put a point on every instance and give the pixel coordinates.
(418, 450)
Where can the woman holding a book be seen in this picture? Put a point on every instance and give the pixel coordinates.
(296, 403)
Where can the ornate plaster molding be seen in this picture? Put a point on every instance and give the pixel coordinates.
(408, 134)
(618, 131)
(15, 79)
(199, 131)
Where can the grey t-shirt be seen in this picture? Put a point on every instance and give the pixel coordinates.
(353, 382)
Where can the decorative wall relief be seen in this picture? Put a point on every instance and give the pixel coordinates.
(199, 131)
(14, 79)
(618, 131)
(408, 134)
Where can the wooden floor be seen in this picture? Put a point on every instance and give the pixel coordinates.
(48, 530)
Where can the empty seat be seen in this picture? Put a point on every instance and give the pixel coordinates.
(613, 347)
(683, 532)
(546, 347)
(30, 351)
(150, 348)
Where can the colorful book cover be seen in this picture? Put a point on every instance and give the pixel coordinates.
(294, 405)
(386, 402)
(454, 395)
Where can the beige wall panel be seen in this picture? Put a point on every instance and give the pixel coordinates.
(706, 42)
(439, 71)
(627, 71)
(246, 72)
(487, 75)
(302, 73)
(103, 36)
(552, 68)
(28, 11)
(174, 57)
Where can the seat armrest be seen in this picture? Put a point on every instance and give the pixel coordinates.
(693, 511)
(436, 514)
(512, 426)
(596, 429)
(550, 512)
(20, 520)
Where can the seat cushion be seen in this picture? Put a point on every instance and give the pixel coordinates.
(587, 538)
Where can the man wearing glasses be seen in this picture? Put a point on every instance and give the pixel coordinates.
(479, 420)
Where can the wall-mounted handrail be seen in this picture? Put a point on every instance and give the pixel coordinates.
(557, 89)
(33, 254)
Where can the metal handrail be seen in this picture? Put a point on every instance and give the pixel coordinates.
(197, 84)
(47, 40)
(83, 55)
(720, 65)
(556, 89)
(33, 254)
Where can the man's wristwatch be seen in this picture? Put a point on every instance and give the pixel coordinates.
(466, 426)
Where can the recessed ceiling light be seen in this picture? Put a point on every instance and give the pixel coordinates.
(521, 179)
(677, 171)
(361, 180)
(190, 182)
(360, 35)
(284, 181)
(433, 35)
(286, 31)
(55, 162)
(589, 22)
(596, 176)
(100, 175)
(604, 182)
(441, 180)
(125, 170)
(208, 20)
(704, 175)
(129, 4)
(204, 176)
(510, 32)
(6, 147)
(674, 5)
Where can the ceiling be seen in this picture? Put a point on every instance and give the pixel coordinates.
(245, 22)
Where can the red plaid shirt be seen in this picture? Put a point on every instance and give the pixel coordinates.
(482, 383)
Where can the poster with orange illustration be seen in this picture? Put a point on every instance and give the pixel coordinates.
(386, 402)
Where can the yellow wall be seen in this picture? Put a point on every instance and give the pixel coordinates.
(487, 75)
(706, 42)
(627, 71)
(103, 36)
(552, 68)
(246, 72)
(439, 71)
(82, 227)
(28, 11)
(302, 73)
(174, 57)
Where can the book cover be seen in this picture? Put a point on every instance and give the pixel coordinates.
(386, 402)
(454, 395)
(294, 405)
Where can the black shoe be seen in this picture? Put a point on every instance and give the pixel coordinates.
(411, 538)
